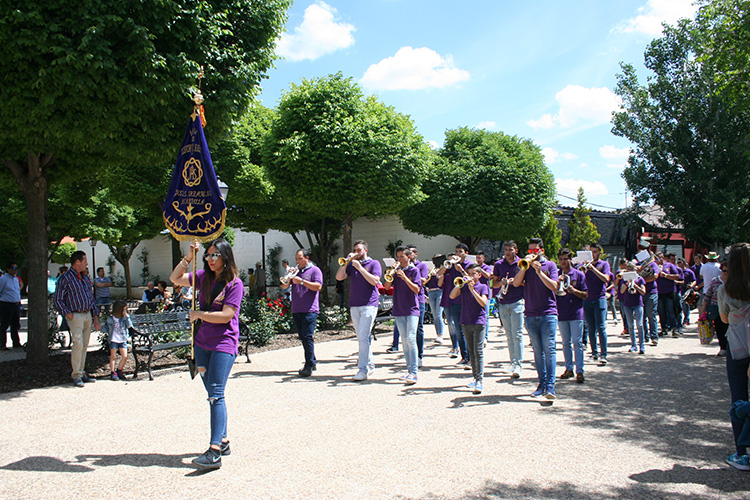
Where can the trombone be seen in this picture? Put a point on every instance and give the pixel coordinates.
(289, 275)
(390, 274)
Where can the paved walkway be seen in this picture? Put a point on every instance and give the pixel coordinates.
(653, 426)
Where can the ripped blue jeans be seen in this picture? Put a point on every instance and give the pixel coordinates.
(217, 367)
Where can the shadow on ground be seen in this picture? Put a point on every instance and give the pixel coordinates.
(89, 463)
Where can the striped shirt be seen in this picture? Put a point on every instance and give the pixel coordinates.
(74, 294)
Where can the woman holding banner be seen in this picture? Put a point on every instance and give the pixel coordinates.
(220, 293)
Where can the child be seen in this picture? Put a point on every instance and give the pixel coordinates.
(117, 326)
(474, 297)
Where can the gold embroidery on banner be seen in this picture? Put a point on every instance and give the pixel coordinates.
(192, 172)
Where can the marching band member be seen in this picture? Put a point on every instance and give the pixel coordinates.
(435, 295)
(570, 314)
(651, 299)
(306, 286)
(631, 294)
(363, 302)
(666, 287)
(423, 273)
(453, 306)
(595, 305)
(406, 308)
(688, 283)
(446, 286)
(485, 273)
(540, 282)
(511, 305)
(474, 296)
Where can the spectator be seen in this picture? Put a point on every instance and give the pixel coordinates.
(102, 284)
(10, 303)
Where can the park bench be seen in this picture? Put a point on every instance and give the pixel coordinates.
(385, 305)
(165, 331)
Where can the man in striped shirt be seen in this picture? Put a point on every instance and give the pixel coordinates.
(74, 299)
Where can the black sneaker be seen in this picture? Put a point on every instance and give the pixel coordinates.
(225, 449)
(86, 379)
(210, 460)
(306, 371)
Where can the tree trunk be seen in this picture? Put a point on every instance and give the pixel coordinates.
(346, 237)
(33, 183)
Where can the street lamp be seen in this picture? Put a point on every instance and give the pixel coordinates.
(224, 189)
(93, 242)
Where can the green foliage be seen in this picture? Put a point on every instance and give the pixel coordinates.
(145, 271)
(690, 124)
(582, 230)
(332, 318)
(551, 235)
(274, 263)
(228, 235)
(63, 253)
(265, 318)
(477, 173)
(338, 144)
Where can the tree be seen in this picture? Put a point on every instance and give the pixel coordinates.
(110, 86)
(337, 155)
(690, 124)
(484, 185)
(551, 234)
(582, 230)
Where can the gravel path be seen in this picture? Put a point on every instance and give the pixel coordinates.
(653, 426)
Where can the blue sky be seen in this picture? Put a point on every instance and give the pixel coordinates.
(542, 70)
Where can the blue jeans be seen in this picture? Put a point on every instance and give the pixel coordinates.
(650, 306)
(635, 314)
(408, 324)
(595, 314)
(435, 296)
(305, 323)
(571, 333)
(217, 367)
(542, 330)
(457, 333)
(511, 315)
(363, 317)
(738, 389)
(666, 312)
(474, 335)
(420, 332)
(486, 325)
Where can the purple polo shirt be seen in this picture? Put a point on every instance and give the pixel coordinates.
(485, 281)
(305, 300)
(220, 337)
(651, 285)
(633, 299)
(597, 288)
(406, 302)
(540, 300)
(688, 277)
(361, 291)
(432, 283)
(450, 277)
(570, 307)
(664, 285)
(696, 268)
(423, 272)
(471, 312)
(503, 269)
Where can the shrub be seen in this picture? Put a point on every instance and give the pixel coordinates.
(332, 318)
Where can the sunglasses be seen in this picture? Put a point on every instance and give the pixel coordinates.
(213, 256)
(13, 267)
(535, 250)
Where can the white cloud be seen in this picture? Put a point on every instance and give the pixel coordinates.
(553, 156)
(619, 155)
(580, 106)
(320, 33)
(489, 125)
(413, 69)
(435, 145)
(651, 16)
(570, 187)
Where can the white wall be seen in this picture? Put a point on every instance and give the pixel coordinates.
(248, 248)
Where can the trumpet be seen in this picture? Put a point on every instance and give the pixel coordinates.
(345, 260)
(584, 267)
(289, 275)
(390, 274)
(460, 281)
(525, 263)
(564, 285)
(631, 288)
(451, 262)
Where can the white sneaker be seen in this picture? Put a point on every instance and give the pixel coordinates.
(438, 340)
(370, 371)
(360, 376)
(419, 362)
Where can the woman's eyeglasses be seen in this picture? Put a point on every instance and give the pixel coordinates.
(213, 256)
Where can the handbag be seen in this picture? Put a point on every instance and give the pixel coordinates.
(712, 312)
(706, 331)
